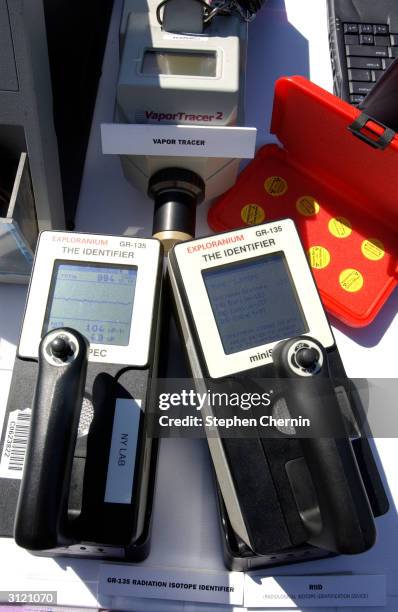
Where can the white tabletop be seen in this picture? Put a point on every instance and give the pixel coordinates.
(286, 38)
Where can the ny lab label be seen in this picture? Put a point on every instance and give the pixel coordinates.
(178, 140)
(174, 584)
(335, 591)
(120, 476)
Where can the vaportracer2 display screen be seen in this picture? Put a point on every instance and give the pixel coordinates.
(180, 63)
(254, 302)
(95, 299)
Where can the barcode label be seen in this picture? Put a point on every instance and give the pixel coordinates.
(15, 443)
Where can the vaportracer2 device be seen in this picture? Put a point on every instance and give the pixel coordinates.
(252, 319)
(182, 63)
(83, 378)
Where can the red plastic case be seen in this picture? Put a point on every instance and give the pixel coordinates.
(341, 190)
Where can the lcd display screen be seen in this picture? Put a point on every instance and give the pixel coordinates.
(180, 63)
(95, 299)
(254, 302)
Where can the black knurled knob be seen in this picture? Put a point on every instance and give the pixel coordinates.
(61, 348)
(307, 357)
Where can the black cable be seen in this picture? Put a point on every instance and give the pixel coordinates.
(251, 6)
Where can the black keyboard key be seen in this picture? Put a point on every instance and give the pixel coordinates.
(383, 41)
(356, 99)
(359, 75)
(394, 52)
(376, 74)
(394, 40)
(364, 28)
(360, 88)
(387, 62)
(380, 29)
(366, 51)
(351, 39)
(371, 63)
(366, 39)
(350, 28)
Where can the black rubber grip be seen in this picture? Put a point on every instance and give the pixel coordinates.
(347, 524)
(41, 516)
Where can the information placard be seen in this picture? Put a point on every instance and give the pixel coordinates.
(316, 591)
(172, 583)
(178, 140)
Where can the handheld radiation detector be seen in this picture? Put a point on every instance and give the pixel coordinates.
(83, 374)
(249, 311)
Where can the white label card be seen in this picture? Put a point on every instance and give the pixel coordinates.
(178, 140)
(318, 591)
(175, 584)
(121, 466)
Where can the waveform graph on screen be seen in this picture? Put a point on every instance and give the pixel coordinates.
(95, 299)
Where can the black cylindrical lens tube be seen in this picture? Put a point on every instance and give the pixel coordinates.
(176, 193)
(174, 210)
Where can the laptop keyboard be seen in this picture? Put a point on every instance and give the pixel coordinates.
(370, 50)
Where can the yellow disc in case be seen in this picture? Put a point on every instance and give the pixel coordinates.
(319, 257)
(275, 185)
(351, 280)
(340, 227)
(307, 206)
(373, 249)
(252, 214)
